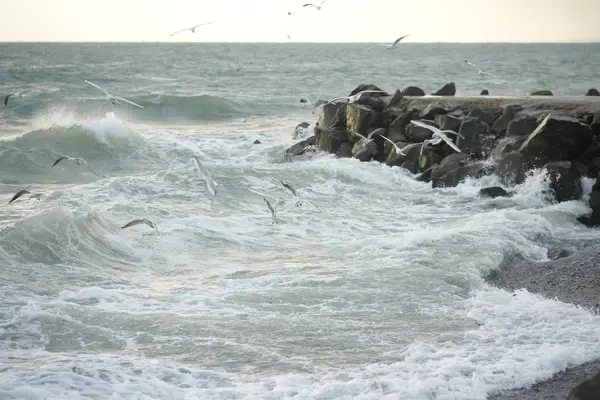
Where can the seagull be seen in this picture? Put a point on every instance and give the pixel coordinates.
(479, 70)
(353, 98)
(317, 7)
(110, 97)
(289, 37)
(36, 196)
(273, 210)
(78, 160)
(316, 104)
(438, 136)
(192, 29)
(295, 193)
(389, 46)
(19, 194)
(396, 147)
(140, 221)
(210, 182)
(365, 140)
(18, 94)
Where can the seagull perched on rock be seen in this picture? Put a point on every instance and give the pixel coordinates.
(18, 94)
(192, 29)
(389, 46)
(140, 221)
(438, 136)
(78, 161)
(317, 7)
(479, 70)
(110, 97)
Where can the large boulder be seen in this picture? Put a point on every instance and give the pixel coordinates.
(586, 390)
(397, 128)
(330, 140)
(416, 133)
(301, 147)
(484, 92)
(454, 169)
(432, 111)
(593, 92)
(487, 115)
(448, 89)
(333, 115)
(374, 103)
(595, 125)
(410, 149)
(301, 130)
(448, 122)
(565, 181)
(363, 87)
(493, 192)
(522, 124)
(396, 99)
(413, 91)
(365, 151)
(508, 113)
(512, 168)
(361, 119)
(477, 139)
(556, 139)
(542, 93)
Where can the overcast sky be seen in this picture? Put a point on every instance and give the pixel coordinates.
(268, 21)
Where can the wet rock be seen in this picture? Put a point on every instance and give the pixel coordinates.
(454, 169)
(361, 119)
(432, 112)
(330, 140)
(333, 115)
(256, 142)
(508, 113)
(365, 152)
(425, 176)
(484, 92)
(413, 91)
(493, 192)
(586, 390)
(542, 93)
(397, 128)
(345, 150)
(374, 103)
(523, 124)
(556, 139)
(448, 89)
(593, 92)
(396, 99)
(410, 149)
(512, 168)
(301, 147)
(487, 115)
(429, 159)
(363, 87)
(565, 181)
(416, 133)
(477, 140)
(301, 130)
(507, 145)
(595, 125)
(448, 122)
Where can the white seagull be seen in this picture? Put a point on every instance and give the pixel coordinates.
(17, 94)
(365, 140)
(479, 70)
(389, 46)
(210, 182)
(77, 160)
(273, 210)
(438, 136)
(141, 221)
(295, 193)
(192, 29)
(396, 147)
(353, 98)
(316, 104)
(110, 97)
(317, 7)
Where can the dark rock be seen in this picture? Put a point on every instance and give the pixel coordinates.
(595, 125)
(448, 122)
(375, 103)
(411, 166)
(345, 151)
(361, 118)
(410, 149)
(565, 182)
(363, 87)
(508, 113)
(593, 92)
(594, 201)
(397, 128)
(542, 93)
(484, 92)
(591, 220)
(365, 152)
(256, 141)
(556, 139)
(429, 159)
(512, 168)
(477, 140)
(301, 147)
(300, 131)
(581, 168)
(413, 91)
(432, 111)
(454, 169)
(523, 124)
(487, 115)
(333, 115)
(425, 176)
(507, 145)
(586, 390)
(330, 140)
(493, 192)
(396, 99)
(416, 133)
(448, 89)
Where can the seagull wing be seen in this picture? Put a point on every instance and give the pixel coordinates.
(360, 135)
(6, 99)
(398, 40)
(377, 45)
(309, 4)
(127, 101)
(22, 92)
(448, 131)
(134, 222)
(424, 125)
(19, 194)
(290, 188)
(98, 87)
(473, 65)
(398, 149)
(270, 207)
(204, 23)
(486, 73)
(201, 168)
(448, 141)
(59, 159)
(322, 2)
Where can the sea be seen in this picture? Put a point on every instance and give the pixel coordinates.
(371, 288)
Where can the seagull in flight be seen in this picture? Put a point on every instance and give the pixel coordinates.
(78, 160)
(316, 104)
(19, 194)
(110, 97)
(273, 210)
(210, 182)
(140, 221)
(317, 7)
(353, 98)
(293, 191)
(18, 94)
(389, 46)
(479, 70)
(396, 147)
(438, 136)
(192, 29)
(365, 140)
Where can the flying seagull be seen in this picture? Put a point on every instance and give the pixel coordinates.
(210, 182)
(110, 97)
(192, 29)
(78, 160)
(396, 147)
(316, 104)
(438, 136)
(293, 191)
(366, 139)
(389, 46)
(19, 194)
(18, 94)
(317, 7)
(140, 221)
(273, 210)
(353, 98)
(36, 196)
(479, 70)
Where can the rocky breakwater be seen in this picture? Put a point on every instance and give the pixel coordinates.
(506, 136)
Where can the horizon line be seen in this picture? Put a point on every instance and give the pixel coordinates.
(272, 42)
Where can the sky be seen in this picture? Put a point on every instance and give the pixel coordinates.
(379, 21)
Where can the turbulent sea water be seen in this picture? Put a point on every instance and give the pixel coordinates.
(380, 296)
